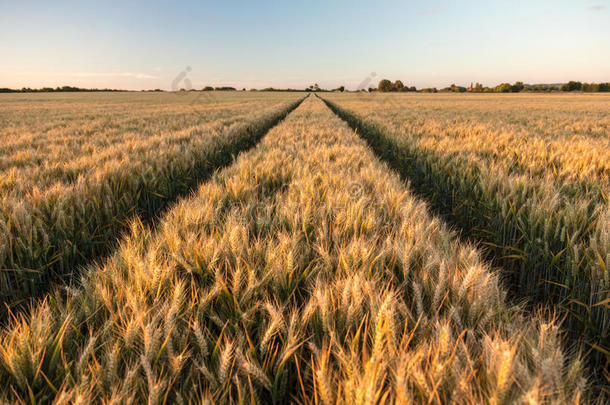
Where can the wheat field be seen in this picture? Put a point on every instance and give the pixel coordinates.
(527, 176)
(347, 248)
(75, 169)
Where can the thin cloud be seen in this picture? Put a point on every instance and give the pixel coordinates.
(432, 11)
(118, 74)
(597, 7)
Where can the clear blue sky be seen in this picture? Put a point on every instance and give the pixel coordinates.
(137, 45)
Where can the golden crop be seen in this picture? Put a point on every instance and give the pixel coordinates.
(57, 141)
(74, 169)
(563, 137)
(528, 176)
(305, 272)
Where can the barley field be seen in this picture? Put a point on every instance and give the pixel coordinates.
(271, 248)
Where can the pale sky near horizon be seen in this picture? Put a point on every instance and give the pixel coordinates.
(144, 45)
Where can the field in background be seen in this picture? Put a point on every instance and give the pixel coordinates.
(51, 141)
(308, 270)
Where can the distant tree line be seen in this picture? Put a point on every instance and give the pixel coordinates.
(520, 86)
(386, 86)
(223, 88)
(52, 90)
(226, 88)
(586, 87)
(274, 89)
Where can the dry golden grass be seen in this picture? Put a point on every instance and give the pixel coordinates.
(306, 272)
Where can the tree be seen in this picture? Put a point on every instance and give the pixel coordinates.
(572, 86)
(398, 86)
(385, 86)
(457, 89)
(502, 88)
(590, 87)
(517, 87)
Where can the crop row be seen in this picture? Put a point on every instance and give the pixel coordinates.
(305, 272)
(549, 232)
(47, 234)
